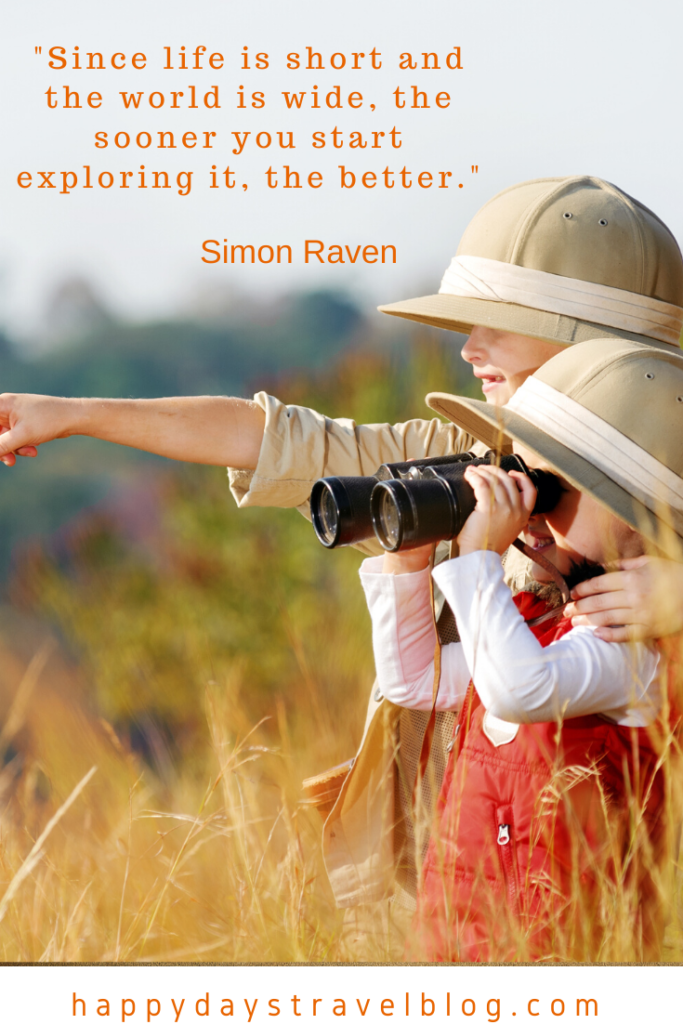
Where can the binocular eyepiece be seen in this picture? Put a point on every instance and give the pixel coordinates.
(406, 504)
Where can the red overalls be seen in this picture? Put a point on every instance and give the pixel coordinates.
(529, 831)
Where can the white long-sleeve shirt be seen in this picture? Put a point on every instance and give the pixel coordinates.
(517, 680)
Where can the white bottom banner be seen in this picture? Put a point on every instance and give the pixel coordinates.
(255, 994)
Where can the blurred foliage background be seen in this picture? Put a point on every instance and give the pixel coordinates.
(231, 349)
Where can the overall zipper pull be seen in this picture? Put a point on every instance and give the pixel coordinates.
(503, 835)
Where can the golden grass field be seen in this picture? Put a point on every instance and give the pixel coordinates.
(154, 751)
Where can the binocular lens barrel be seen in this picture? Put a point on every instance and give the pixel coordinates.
(548, 490)
(340, 509)
(389, 519)
(405, 516)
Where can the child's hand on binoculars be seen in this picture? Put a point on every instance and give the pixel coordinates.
(504, 503)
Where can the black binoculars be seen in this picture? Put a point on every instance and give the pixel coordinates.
(406, 504)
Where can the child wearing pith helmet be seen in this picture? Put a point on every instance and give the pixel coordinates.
(561, 260)
(552, 821)
(545, 264)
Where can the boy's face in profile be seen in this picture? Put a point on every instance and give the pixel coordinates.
(577, 529)
(503, 361)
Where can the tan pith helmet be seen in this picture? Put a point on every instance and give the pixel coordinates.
(608, 416)
(562, 259)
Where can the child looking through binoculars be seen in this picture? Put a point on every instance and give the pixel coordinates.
(553, 778)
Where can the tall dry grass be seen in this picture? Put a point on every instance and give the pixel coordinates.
(150, 795)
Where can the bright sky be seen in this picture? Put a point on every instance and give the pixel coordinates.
(547, 88)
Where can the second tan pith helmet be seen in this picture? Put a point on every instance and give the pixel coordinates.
(564, 260)
(608, 416)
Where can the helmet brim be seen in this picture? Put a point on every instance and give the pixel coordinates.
(456, 313)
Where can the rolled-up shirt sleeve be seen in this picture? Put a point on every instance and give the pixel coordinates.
(301, 445)
(518, 680)
(404, 639)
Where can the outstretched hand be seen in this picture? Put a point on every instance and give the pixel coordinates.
(642, 600)
(27, 421)
(504, 503)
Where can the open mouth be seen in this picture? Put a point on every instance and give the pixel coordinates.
(490, 381)
(538, 543)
